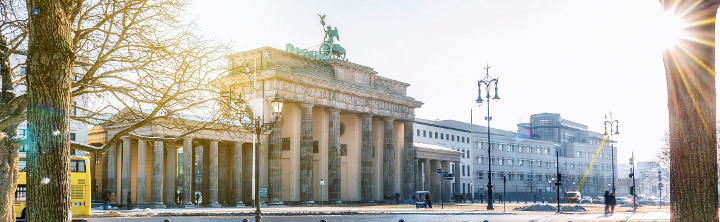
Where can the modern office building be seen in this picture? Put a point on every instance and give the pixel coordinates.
(526, 158)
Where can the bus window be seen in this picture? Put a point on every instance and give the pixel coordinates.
(77, 166)
(22, 164)
(20, 193)
(81, 166)
(73, 166)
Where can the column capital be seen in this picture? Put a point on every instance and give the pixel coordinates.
(367, 115)
(333, 110)
(389, 119)
(307, 105)
(124, 138)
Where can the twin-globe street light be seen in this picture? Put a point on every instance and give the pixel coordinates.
(258, 126)
(612, 122)
(487, 82)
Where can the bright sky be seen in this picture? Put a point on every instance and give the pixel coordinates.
(581, 59)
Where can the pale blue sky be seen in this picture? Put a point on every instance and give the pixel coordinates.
(581, 59)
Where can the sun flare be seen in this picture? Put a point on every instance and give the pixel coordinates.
(671, 29)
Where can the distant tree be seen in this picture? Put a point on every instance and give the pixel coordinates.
(690, 73)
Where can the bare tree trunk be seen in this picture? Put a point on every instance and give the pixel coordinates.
(8, 149)
(49, 67)
(689, 67)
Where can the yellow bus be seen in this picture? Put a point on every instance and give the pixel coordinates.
(79, 187)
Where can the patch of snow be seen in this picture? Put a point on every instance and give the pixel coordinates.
(45, 180)
(56, 132)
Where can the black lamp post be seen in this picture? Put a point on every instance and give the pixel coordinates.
(487, 82)
(257, 125)
(610, 121)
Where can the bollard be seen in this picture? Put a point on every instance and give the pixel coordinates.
(401, 220)
(166, 220)
(246, 220)
(323, 220)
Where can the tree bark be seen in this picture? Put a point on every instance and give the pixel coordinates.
(49, 68)
(8, 147)
(689, 68)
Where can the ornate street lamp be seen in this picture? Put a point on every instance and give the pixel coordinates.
(610, 121)
(258, 126)
(487, 82)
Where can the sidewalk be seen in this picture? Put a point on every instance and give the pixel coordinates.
(594, 211)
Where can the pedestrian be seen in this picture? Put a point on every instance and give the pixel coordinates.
(613, 202)
(482, 198)
(607, 202)
(197, 199)
(428, 199)
(397, 198)
(113, 200)
(106, 200)
(129, 201)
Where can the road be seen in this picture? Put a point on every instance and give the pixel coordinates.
(655, 216)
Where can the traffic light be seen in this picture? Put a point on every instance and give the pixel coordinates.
(631, 175)
(632, 190)
(559, 177)
(631, 161)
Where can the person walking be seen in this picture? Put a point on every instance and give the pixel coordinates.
(428, 199)
(129, 201)
(113, 200)
(613, 202)
(607, 202)
(106, 200)
(482, 198)
(397, 198)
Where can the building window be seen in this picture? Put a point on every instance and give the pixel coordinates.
(436, 135)
(491, 161)
(463, 170)
(500, 161)
(73, 108)
(520, 148)
(511, 176)
(418, 132)
(547, 151)
(480, 175)
(510, 161)
(442, 136)
(529, 149)
(521, 176)
(453, 138)
(72, 136)
(501, 147)
(530, 163)
(22, 71)
(424, 133)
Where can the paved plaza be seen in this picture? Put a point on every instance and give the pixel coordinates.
(451, 212)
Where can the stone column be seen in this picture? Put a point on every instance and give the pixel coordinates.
(112, 169)
(306, 154)
(334, 188)
(458, 183)
(157, 176)
(170, 173)
(429, 171)
(237, 174)
(213, 201)
(410, 160)
(141, 192)
(126, 174)
(388, 157)
(275, 164)
(366, 159)
(435, 179)
(187, 173)
(447, 184)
